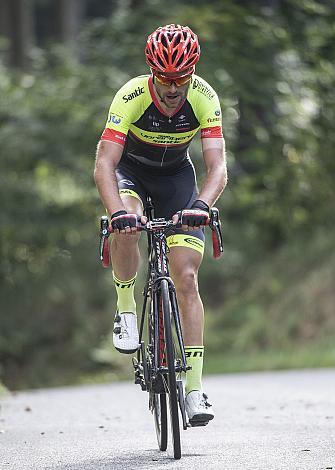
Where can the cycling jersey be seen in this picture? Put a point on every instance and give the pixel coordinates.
(156, 144)
(150, 137)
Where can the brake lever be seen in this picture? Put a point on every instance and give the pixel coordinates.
(104, 234)
(215, 225)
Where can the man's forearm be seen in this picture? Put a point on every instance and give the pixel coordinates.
(106, 182)
(214, 184)
(214, 155)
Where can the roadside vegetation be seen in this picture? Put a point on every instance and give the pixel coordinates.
(270, 300)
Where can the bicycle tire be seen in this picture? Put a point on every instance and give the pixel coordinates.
(157, 400)
(160, 418)
(172, 382)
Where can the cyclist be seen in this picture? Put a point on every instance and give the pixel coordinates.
(143, 151)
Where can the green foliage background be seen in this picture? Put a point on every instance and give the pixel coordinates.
(270, 301)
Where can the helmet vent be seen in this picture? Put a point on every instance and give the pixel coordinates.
(180, 61)
(188, 62)
(164, 41)
(177, 39)
(166, 56)
(159, 60)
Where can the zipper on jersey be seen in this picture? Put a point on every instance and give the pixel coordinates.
(163, 155)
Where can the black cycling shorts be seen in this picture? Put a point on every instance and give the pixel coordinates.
(169, 193)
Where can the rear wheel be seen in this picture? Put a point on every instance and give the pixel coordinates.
(170, 357)
(160, 417)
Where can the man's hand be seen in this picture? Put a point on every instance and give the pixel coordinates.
(123, 222)
(194, 218)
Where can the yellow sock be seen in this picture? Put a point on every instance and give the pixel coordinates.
(195, 359)
(125, 294)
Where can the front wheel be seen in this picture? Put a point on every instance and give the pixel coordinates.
(170, 357)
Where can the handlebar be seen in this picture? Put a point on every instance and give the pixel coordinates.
(162, 225)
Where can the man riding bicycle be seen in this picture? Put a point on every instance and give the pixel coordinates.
(143, 152)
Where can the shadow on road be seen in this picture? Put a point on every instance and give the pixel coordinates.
(157, 460)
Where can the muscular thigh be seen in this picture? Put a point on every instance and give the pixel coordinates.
(184, 261)
(132, 204)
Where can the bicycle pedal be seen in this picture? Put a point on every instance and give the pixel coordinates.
(196, 424)
(200, 420)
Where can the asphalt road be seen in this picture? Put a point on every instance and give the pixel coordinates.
(272, 421)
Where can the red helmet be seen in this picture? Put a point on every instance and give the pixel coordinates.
(172, 48)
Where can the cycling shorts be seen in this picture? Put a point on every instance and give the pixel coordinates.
(169, 193)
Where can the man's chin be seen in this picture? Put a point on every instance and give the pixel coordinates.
(172, 102)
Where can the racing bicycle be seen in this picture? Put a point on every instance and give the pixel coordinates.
(160, 359)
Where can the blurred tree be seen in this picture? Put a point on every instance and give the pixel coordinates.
(17, 24)
(27, 23)
(69, 14)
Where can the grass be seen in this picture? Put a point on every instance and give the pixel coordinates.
(3, 390)
(283, 317)
(312, 356)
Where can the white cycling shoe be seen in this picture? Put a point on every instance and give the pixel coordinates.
(199, 411)
(125, 332)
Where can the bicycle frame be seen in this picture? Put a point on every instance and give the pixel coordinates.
(158, 270)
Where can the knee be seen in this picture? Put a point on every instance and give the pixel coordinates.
(125, 242)
(186, 281)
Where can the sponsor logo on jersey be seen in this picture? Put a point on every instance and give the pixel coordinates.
(206, 132)
(183, 124)
(114, 119)
(166, 139)
(139, 91)
(155, 123)
(185, 127)
(213, 119)
(202, 88)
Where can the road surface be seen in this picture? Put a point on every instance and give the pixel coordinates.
(270, 421)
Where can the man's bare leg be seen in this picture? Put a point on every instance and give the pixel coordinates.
(184, 266)
(125, 261)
